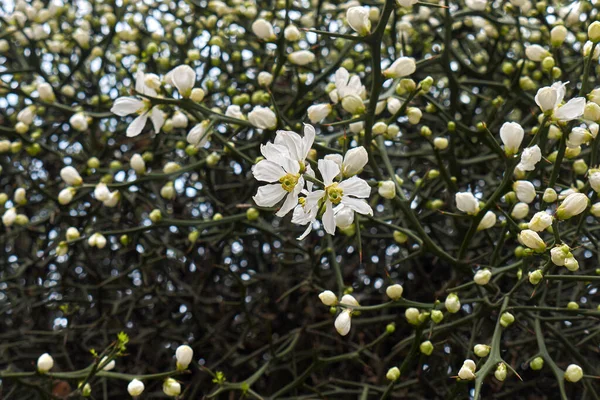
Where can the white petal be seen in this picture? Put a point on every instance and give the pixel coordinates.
(356, 187)
(329, 170)
(292, 141)
(274, 152)
(126, 105)
(572, 110)
(328, 218)
(267, 171)
(158, 118)
(290, 202)
(306, 232)
(359, 205)
(269, 195)
(137, 125)
(308, 139)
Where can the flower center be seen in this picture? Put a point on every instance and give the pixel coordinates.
(334, 193)
(289, 181)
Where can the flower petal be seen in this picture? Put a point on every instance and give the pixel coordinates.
(135, 128)
(126, 105)
(359, 205)
(269, 195)
(308, 139)
(328, 218)
(292, 141)
(267, 171)
(356, 187)
(343, 322)
(329, 170)
(570, 111)
(290, 202)
(158, 118)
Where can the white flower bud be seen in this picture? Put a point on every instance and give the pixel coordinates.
(481, 350)
(26, 115)
(171, 167)
(536, 276)
(20, 196)
(70, 176)
(466, 202)
(113, 199)
(512, 135)
(138, 164)
(263, 29)
(540, 221)
(403, 66)
(262, 118)
(343, 322)
(45, 363)
(520, 210)
(183, 77)
(587, 50)
(46, 93)
(135, 388)
(573, 373)
(525, 191)
(595, 210)
(559, 254)
(152, 81)
(591, 112)
(393, 374)
(394, 292)
(292, 33)
(488, 221)
(301, 57)
(467, 371)
(406, 3)
(393, 105)
(328, 298)
(531, 239)
(440, 143)
(387, 189)
(79, 122)
(344, 217)
(265, 79)
(529, 158)
(594, 32)
(452, 303)
(414, 115)
(101, 192)
(179, 120)
(318, 112)
(476, 5)
(558, 34)
(66, 196)
(107, 366)
(9, 217)
(358, 19)
(412, 315)
(536, 52)
(354, 161)
(197, 95)
(500, 372)
(72, 233)
(482, 277)
(571, 263)
(97, 240)
(574, 204)
(353, 104)
(184, 355)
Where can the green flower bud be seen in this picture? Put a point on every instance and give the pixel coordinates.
(426, 348)
(537, 363)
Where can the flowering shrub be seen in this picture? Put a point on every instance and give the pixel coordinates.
(226, 199)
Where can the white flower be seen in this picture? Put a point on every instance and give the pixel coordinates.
(536, 52)
(184, 355)
(403, 66)
(358, 19)
(304, 213)
(531, 239)
(529, 158)
(135, 388)
(198, 136)
(234, 111)
(466, 202)
(328, 298)
(263, 29)
(343, 321)
(488, 221)
(71, 176)
(587, 49)
(9, 217)
(348, 90)
(540, 221)
(394, 292)
(573, 204)
(108, 366)
(183, 77)
(350, 192)
(578, 136)
(393, 105)
(511, 134)
(452, 303)
(549, 99)
(574, 373)
(344, 216)
(467, 371)
(132, 105)
(278, 166)
(476, 5)
(171, 387)
(525, 191)
(318, 112)
(301, 57)
(262, 118)
(482, 277)
(152, 81)
(79, 122)
(113, 199)
(45, 363)
(387, 189)
(292, 33)
(138, 164)
(594, 178)
(265, 78)
(297, 146)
